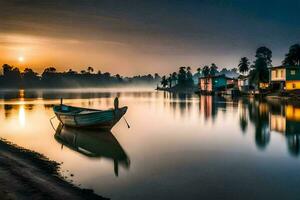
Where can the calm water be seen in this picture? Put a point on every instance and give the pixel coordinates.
(178, 146)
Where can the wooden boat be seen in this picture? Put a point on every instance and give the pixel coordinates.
(93, 144)
(88, 118)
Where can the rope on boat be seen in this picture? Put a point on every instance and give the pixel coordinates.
(126, 122)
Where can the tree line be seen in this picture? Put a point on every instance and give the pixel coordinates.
(12, 77)
(185, 78)
(258, 72)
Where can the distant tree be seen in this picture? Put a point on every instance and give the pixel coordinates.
(170, 80)
(224, 70)
(71, 72)
(260, 71)
(148, 78)
(213, 69)
(265, 54)
(182, 76)
(205, 71)
(198, 74)
(50, 70)
(244, 65)
(11, 76)
(30, 78)
(174, 77)
(119, 78)
(234, 70)
(156, 76)
(6, 69)
(106, 74)
(90, 70)
(164, 81)
(292, 58)
(189, 77)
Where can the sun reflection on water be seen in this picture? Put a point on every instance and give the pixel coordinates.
(22, 117)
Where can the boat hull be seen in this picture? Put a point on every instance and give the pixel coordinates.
(103, 120)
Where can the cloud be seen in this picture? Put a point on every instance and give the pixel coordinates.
(219, 30)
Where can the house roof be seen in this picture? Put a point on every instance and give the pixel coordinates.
(285, 67)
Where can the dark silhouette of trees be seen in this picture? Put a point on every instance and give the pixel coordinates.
(30, 78)
(90, 70)
(11, 77)
(50, 78)
(170, 80)
(292, 58)
(260, 72)
(213, 69)
(174, 77)
(164, 81)
(157, 77)
(244, 65)
(205, 71)
(189, 77)
(265, 54)
(182, 76)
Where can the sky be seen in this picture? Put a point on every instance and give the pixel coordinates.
(132, 37)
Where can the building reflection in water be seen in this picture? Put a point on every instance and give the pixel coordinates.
(211, 105)
(271, 117)
(266, 117)
(287, 123)
(179, 103)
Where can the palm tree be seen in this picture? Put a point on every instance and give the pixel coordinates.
(199, 71)
(164, 81)
(213, 69)
(174, 77)
(292, 58)
(244, 65)
(205, 71)
(182, 76)
(189, 77)
(170, 80)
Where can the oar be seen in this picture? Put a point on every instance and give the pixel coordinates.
(126, 122)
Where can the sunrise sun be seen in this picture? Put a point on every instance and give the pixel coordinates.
(21, 59)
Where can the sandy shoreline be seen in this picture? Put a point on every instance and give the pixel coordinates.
(29, 175)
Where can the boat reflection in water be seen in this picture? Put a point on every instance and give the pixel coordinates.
(93, 144)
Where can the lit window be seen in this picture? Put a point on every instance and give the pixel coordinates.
(293, 72)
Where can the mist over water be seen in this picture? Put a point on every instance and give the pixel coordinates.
(179, 145)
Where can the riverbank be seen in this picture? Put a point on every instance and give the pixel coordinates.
(25, 174)
(178, 89)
